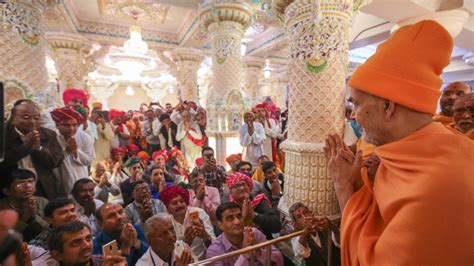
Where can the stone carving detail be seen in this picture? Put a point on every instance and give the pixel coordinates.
(23, 19)
(188, 62)
(316, 74)
(22, 63)
(252, 74)
(74, 59)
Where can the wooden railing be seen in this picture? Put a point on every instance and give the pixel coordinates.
(268, 244)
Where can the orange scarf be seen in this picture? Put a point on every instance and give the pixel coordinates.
(445, 120)
(420, 209)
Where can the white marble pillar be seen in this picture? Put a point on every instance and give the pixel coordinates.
(188, 61)
(253, 69)
(316, 98)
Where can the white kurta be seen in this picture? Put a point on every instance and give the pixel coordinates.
(190, 150)
(73, 167)
(271, 132)
(116, 141)
(253, 145)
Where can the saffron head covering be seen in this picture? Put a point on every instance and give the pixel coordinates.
(406, 68)
(169, 193)
(65, 113)
(231, 158)
(73, 93)
(238, 177)
(143, 155)
(161, 152)
(97, 105)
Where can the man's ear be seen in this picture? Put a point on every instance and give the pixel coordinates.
(49, 220)
(389, 110)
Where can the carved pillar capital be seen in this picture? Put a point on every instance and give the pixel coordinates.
(188, 61)
(74, 58)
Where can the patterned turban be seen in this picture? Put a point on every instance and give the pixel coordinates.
(174, 151)
(169, 193)
(161, 152)
(73, 93)
(238, 177)
(132, 161)
(233, 157)
(63, 114)
(131, 147)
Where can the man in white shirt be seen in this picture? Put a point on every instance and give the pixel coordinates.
(151, 130)
(161, 237)
(252, 137)
(86, 205)
(77, 145)
(191, 224)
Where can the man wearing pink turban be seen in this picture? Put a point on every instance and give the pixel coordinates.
(191, 224)
(77, 146)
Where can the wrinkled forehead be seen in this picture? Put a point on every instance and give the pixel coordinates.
(465, 101)
(458, 86)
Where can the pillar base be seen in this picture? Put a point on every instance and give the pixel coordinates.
(306, 179)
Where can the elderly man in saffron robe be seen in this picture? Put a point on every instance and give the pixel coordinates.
(412, 206)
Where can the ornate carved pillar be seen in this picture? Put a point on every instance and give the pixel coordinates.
(102, 92)
(188, 61)
(278, 89)
(226, 22)
(253, 68)
(74, 58)
(23, 50)
(316, 100)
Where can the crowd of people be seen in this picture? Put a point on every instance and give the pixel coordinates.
(77, 178)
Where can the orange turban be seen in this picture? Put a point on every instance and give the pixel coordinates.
(96, 105)
(406, 68)
(73, 93)
(64, 114)
(233, 157)
(143, 155)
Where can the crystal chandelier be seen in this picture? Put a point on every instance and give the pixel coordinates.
(135, 45)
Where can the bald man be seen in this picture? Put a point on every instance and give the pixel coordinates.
(463, 114)
(450, 94)
(30, 146)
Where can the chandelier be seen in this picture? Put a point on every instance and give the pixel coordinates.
(135, 45)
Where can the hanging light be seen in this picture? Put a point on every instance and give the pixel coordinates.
(135, 45)
(129, 91)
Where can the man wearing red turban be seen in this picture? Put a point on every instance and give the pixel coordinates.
(272, 131)
(77, 146)
(256, 210)
(191, 224)
(122, 135)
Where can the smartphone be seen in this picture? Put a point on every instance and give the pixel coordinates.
(110, 249)
(105, 115)
(194, 216)
(179, 248)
